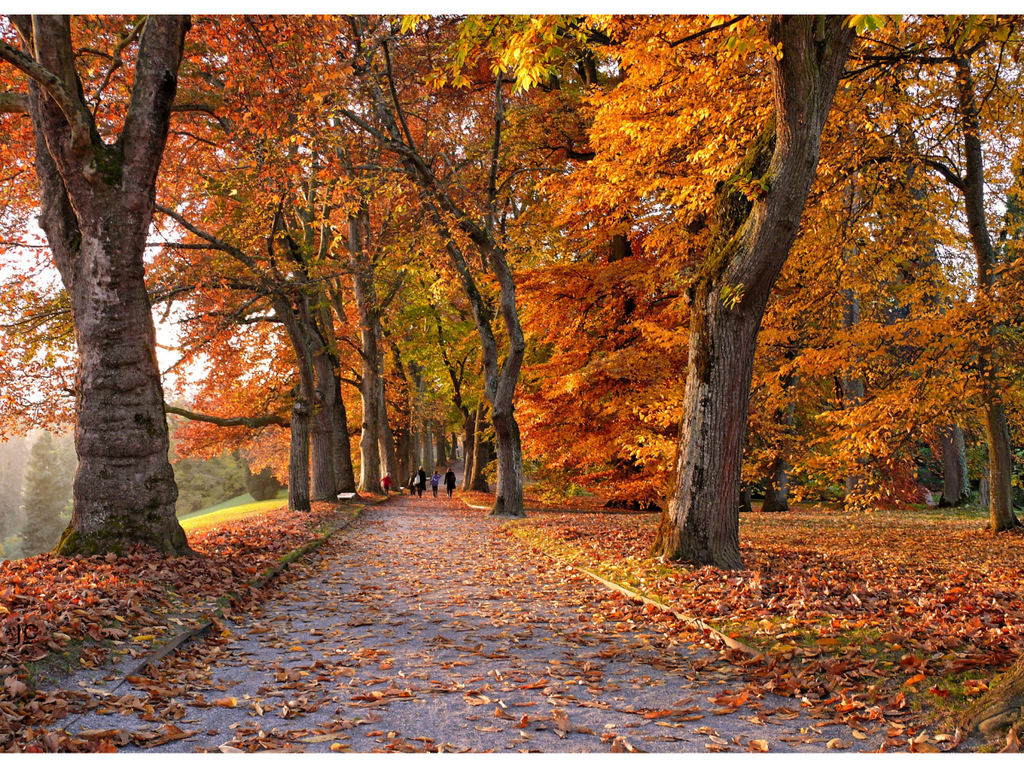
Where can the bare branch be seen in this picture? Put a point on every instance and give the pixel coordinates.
(249, 422)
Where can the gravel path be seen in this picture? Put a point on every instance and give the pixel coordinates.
(425, 626)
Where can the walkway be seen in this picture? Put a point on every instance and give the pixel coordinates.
(425, 626)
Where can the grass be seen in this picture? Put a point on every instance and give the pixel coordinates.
(244, 500)
(227, 515)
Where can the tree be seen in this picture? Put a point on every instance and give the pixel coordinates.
(97, 204)
(750, 240)
(48, 479)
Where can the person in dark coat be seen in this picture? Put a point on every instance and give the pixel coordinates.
(412, 483)
(421, 481)
(449, 481)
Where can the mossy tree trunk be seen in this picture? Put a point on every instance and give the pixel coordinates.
(97, 199)
(749, 245)
(1001, 705)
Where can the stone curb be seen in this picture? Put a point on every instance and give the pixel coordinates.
(692, 621)
(183, 637)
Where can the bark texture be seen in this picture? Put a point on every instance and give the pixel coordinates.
(749, 244)
(477, 478)
(956, 486)
(468, 443)
(1001, 705)
(298, 457)
(97, 202)
(325, 483)
(369, 329)
(344, 474)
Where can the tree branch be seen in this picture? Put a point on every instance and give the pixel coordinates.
(249, 422)
(708, 31)
(54, 88)
(947, 173)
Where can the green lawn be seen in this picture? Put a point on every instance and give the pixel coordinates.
(230, 514)
(238, 501)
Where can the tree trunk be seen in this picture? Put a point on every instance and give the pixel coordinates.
(97, 202)
(1000, 468)
(441, 454)
(388, 451)
(298, 458)
(984, 497)
(344, 475)
(370, 385)
(776, 487)
(745, 498)
(508, 500)
(404, 430)
(477, 478)
(776, 491)
(1000, 451)
(325, 484)
(1001, 705)
(749, 244)
(956, 487)
(297, 320)
(468, 441)
(853, 389)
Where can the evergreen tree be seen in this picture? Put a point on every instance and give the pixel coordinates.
(48, 480)
(13, 456)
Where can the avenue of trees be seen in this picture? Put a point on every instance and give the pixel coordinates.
(676, 261)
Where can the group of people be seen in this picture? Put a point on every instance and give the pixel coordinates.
(418, 482)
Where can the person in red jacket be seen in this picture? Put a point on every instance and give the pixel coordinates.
(386, 484)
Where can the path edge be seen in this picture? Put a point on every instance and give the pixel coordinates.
(158, 654)
(692, 621)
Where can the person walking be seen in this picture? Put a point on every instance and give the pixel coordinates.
(449, 481)
(435, 480)
(386, 484)
(421, 482)
(412, 483)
